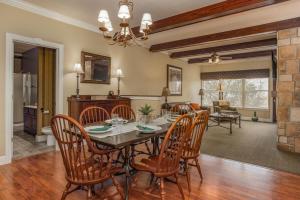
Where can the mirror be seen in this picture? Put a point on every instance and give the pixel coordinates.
(96, 68)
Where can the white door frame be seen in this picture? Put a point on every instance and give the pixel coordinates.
(9, 68)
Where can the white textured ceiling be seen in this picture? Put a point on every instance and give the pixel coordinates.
(87, 10)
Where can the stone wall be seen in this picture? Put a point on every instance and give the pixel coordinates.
(288, 90)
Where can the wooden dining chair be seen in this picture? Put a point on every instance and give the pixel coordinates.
(127, 113)
(85, 165)
(166, 164)
(192, 148)
(93, 115)
(182, 109)
(124, 111)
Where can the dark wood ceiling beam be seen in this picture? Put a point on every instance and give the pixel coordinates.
(231, 47)
(221, 9)
(234, 56)
(263, 28)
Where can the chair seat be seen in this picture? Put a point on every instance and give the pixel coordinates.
(152, 165)
(149, 164)
(92, 170)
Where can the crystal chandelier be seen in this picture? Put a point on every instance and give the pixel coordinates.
(124, 37)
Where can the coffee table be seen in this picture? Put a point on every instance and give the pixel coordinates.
(219, 118)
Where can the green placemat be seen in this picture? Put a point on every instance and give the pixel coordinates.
(144, 128)
(104, 128)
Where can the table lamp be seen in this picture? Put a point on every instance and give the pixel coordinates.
(118, 74)
(201, 93)
(78, 70)
(165, 93)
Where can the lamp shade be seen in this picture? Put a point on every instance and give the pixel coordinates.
(78, 69)
(201, 92)
(124, 12)
(119, 73)
(143, 27)
(103, 16)
(147, 19)
(165, 92)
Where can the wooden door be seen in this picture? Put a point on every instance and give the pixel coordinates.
(46, 87)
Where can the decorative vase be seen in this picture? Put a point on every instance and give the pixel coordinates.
(254, 118)
(146, 119)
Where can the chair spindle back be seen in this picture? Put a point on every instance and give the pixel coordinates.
(197, 131)
(172, 146)
(124, 112)
(93, 115)
(79, 160)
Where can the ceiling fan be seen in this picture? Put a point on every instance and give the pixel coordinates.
(215, 58)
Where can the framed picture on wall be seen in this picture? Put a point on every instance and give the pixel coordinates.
(96, 68)
(174, 80)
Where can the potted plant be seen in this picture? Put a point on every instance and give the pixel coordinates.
(254, 118)
(145, 111)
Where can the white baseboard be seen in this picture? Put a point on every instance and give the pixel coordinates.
(4, 160)
(19, 127)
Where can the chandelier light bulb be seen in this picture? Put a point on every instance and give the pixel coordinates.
(125, 31)
(103, 16)
(124, 12)
(142, 28)
(108, 26)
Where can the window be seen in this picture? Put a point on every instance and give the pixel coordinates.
(211, 94)
(233, 91)
(257, 93)
(244, 93)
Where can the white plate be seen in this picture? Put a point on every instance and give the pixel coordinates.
(89, 129)
(155, 128)
(109, 121)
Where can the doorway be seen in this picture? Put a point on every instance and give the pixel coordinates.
(34, 99)
(9, 86)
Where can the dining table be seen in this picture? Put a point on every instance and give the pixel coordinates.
(126, 135)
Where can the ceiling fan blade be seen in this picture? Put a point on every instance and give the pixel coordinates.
(225, 58)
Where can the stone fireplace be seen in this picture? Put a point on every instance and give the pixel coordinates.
(288, 90)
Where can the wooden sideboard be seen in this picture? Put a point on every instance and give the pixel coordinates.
(76, 106)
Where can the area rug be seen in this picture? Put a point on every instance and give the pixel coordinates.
(254, 143)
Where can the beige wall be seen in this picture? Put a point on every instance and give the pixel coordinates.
(257, 63)
(145, 72)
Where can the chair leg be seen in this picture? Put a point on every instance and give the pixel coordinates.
(162, 189)
(117, 185)
(179, 186)
(187, 173)
(66, 191)
(148, 148)
(199, 169)
(89, 193)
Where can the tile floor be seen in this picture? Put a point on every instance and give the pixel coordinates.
(25, 145)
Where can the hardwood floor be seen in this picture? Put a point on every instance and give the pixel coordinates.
(42, 177)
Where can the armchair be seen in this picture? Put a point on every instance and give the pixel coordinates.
(223, 106)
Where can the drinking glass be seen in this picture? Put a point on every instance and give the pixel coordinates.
(114, 119)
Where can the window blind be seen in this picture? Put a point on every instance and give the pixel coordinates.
(257, 73)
